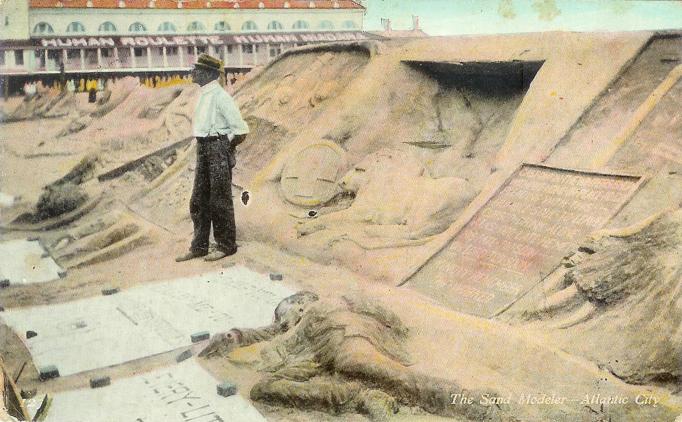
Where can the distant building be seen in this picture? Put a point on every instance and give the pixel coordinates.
(389, 32)
(116, 37)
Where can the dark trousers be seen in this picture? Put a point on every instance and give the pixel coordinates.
(211, 202)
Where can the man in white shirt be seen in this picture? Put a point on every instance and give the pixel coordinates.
(219, 128)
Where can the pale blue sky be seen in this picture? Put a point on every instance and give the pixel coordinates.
(445, 17)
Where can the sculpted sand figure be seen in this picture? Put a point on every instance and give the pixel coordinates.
(343, 356)
(634, 270)
(395, 199)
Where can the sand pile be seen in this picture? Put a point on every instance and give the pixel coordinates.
(46, 103)
(285, 98)
(136, 120)
(621, 287)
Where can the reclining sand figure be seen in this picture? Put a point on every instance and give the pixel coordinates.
(394, 200)
(344, 356)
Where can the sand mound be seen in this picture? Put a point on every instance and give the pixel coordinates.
(46, 103)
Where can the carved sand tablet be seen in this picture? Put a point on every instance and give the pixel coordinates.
(25, 261)
(518, 237)
(179, 393)
(154, 318)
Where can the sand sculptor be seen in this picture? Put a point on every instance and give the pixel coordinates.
(219, 128)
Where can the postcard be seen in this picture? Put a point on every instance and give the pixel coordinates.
(340, 210)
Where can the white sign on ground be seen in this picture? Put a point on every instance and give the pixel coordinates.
(6, 200)
(108, 330)
(22, 262)
(181, 393)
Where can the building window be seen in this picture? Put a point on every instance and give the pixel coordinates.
(75, 27)
(73, 54)
(107, 27)
(137, 27)
(2, 58)
(275, 26)
(196, 27)
(201, 50)
(326, 25)
(249, 26)
(54, 54)
(6, 20)
(19, 57)
(299, 25)
(247, 48)
(222, 27)
(91, 56)
(167, 27)
(107, 52)
(349, 25)
(140, 52)
(43, 28)
(39, 57)
(171, 51)
(190, 51)
(275, 51)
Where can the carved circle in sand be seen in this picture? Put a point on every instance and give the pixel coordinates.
(310, 176)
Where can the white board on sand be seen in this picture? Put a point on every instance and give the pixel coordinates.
(22, 262)
(6, 200)
(180, 393)
(108, 330)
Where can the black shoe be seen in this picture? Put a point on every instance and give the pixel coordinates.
(191, 255)
(219, 254)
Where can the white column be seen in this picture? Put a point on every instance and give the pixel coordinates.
(149, 57)
(133, 59)
(224, 54)
(116, 57)
(99, 57)
(47, 62)
(82, 58)
(64, 58)
(165, 57)
(181, 55)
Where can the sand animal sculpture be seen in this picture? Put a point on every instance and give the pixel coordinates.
(394, 199)
(637, 269)
(343, 356)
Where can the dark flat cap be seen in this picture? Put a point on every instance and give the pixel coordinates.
(209, 62)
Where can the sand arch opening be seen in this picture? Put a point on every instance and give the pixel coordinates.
(470, 113)
(488, 78)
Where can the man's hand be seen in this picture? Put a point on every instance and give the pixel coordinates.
(238, 139)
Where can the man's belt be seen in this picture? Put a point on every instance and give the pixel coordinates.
(211, 138)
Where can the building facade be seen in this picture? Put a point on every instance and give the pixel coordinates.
(44, 38)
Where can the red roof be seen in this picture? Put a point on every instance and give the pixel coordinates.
(196, 4)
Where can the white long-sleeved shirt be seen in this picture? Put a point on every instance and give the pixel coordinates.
(217, 114)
